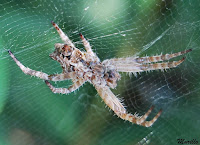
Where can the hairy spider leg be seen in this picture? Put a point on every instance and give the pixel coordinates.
(141, 120)
(113, 103)
(72, 88)
(164, 65)
(148, 59)
(41, 75)
(62, 76)
(136, 67)
(63, 36)
(150, 123)
(160, 57)
(87, 45)
(144, 117)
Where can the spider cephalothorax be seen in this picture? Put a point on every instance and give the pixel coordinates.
(62, 50)
(83, 67)
(86, 65)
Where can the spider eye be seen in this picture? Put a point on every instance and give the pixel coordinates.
(65, 47)
(79, 54)
(111, 74)
(67, 50)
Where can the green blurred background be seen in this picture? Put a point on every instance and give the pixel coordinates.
(30, 114)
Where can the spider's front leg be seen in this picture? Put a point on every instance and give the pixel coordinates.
(41, 75)
(63, 36)
(113, 102)
(72, 88)
(87, 45)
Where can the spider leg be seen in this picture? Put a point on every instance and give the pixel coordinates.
(63, 36)
(72, 88)
(141, 120)
(147, 59)
(164, 65)
(41, 75)
(147, 67)
(87, 45)
(160, 57)
(114, 103)
(62, 76)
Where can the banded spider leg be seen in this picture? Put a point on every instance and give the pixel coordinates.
(134, 64)
(113, 102)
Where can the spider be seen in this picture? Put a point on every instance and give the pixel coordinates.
(85, 66)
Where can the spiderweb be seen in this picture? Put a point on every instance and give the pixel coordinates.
(32, 114)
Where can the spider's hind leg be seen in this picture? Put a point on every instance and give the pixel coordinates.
(142, 120)
(151, 122)
(150, 59)
(114, 103)
(161, 66)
